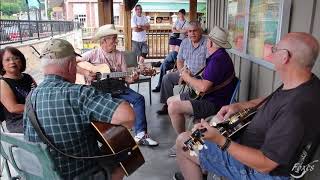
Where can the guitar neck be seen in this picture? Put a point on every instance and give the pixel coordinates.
(115, 75)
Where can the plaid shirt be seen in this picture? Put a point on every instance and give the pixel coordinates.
(64, 111)
(195, 58)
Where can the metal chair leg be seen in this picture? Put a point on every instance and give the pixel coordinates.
(150, 92)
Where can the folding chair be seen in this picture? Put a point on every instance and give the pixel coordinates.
(132, 62)
(30, 160)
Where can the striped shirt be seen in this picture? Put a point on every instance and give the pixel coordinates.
(64, 111)
(195, 58)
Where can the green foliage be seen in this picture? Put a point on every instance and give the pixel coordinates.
(12, 7)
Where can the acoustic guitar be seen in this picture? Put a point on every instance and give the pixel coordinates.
(105, 72)
(116, 138)
(101, 68)
(231, 128)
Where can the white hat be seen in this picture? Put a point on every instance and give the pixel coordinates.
(220, 37)
(105, 30)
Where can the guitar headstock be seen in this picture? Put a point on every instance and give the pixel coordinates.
(195, 143)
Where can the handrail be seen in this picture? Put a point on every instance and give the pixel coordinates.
(12, 31)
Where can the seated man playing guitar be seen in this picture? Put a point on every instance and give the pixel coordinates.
(218, 84)
(282, 126)
(65, 111)
(109, 55)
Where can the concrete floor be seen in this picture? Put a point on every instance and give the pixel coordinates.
(158, 165)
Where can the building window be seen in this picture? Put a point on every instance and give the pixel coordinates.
(263, 27)
(236, 19)
(256, 25)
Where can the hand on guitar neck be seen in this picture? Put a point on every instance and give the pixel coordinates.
(87, 73)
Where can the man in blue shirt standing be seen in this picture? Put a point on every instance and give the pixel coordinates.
(65, 111)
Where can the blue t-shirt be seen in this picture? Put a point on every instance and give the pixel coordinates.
(219, 68)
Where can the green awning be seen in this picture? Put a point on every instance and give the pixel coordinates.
(169, 7)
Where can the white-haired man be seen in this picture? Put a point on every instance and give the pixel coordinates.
(192, 55)
(218, 83)
(108, 54)
(282, 126)
(65, 109)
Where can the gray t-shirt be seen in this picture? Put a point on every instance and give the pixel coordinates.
(285, 124)
(179, 24)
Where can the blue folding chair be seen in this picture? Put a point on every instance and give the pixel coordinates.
(234, 97)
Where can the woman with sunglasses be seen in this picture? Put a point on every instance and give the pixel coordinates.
(15, 86)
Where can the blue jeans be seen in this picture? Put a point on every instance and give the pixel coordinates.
(167, 64)
(137, 100)
(223, 164)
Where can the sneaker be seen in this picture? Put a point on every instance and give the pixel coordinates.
(145, 140)
(163, 111)
(178, 176)
(172, 151)
(157, 89)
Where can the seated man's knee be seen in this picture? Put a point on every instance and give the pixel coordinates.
(181, 139)
(172, 99)
(174, 107)
(139, 98)
(124, 115)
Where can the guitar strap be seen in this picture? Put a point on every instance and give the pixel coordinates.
(222, 85)
(110, 158)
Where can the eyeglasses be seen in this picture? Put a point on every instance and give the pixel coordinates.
(13, 58)
(274, 49)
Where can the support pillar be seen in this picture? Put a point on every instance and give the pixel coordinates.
(192, 10)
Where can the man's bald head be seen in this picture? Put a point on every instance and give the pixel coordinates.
(303, 47)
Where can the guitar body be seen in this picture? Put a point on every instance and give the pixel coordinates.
(102, 68)
(116, 138)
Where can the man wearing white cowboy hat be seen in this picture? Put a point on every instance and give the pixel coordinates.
(108, 54)
(218, 71)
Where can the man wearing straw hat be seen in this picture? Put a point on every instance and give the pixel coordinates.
(218, 83)
(108, 54)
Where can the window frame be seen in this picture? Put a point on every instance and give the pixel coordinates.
(283, 28)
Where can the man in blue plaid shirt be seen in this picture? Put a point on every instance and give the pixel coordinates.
(65, 110)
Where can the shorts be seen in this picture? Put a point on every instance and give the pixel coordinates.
(221, 163)
(201, 108)
(175, 41)
(140, 48)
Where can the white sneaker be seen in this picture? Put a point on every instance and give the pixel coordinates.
(145, 140)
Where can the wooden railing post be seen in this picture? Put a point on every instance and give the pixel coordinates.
(193, 10)
(127, 27)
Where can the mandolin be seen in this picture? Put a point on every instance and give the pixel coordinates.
(231, 128)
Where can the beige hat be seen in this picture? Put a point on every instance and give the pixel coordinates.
(57, 49)
(220, 37)
(105, 30)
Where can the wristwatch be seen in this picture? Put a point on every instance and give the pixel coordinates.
(226, 145)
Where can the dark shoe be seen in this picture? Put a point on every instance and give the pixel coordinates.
(163, 111)
(157, 89)
(178, 176)
(156, 64)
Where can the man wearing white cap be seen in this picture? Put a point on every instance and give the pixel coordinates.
(218, 83)
(108, 54)
(65, 110)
